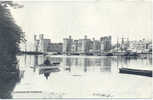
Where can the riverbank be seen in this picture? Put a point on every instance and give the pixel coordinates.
(128, 56)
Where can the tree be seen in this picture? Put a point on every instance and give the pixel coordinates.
(11, 36)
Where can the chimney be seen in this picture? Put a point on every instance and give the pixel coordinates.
(93, 39)
(41, 36)
(35, 37)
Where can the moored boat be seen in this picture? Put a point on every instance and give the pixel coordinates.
(136, 71)
(48, 67)
(54, 65)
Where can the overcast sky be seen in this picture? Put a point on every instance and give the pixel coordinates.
(95, 19)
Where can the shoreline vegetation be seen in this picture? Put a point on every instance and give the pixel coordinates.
(90, 54)
(11, 36)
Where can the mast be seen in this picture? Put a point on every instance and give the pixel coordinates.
(117, 53)
(117, 44)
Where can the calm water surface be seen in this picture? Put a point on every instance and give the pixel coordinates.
(82, 77)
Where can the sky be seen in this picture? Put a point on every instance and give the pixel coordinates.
(97, 18)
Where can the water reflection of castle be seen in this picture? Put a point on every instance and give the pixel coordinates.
(84, 64)
(88, 64)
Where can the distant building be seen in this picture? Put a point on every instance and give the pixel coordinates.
(36, 42)
(106, 44)
(140, 46)
(84, 45)
(43, 43)
(81, 46)
(96, 47)
(75, 47)
(150, 45)
(55, 47)
(67, 45)
(124, 44)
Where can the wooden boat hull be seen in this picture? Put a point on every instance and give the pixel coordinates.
(48, 67)
(42, 71)
(136, 72)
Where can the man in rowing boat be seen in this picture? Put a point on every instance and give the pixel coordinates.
(47, 62)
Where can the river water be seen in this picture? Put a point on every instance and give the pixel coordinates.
(82, 77)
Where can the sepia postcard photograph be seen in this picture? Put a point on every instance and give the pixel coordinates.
(76, 49)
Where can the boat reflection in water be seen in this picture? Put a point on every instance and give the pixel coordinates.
(47, 72)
